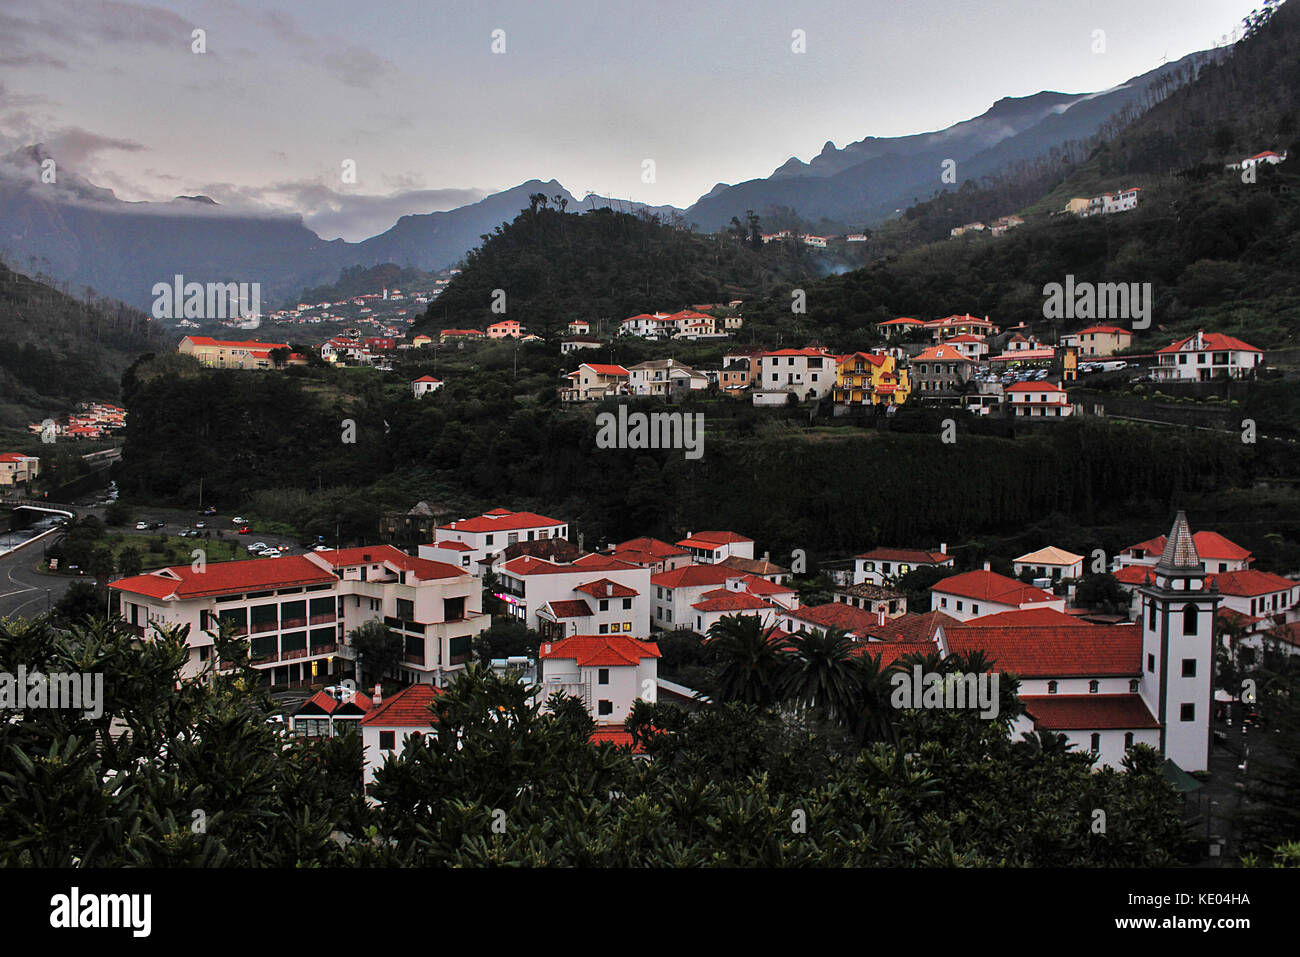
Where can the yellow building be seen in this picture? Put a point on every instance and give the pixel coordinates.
(227, 354)
(868, 378)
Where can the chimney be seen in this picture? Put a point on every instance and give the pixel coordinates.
(943, 548)
(765, 557)
(986, 567)
(609, 589)
(378, 696)
(580, 538)
(880, 616)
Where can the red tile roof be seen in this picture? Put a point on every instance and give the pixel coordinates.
(1209, 545)
(694, 575)
(1073, 649)
(1109, 330)
(409, 708)
(990, 586)
(236, 344)
(1133, 574)
(226, 578)
(615, 735)
(606, 369)
(650, 546)
(600, 650)
(890, 651)
(576, 608)
(424, 568)
(502, 520)
(837, 614)
(1034, 387)
(324, 703)
(604, 588)
(1089, 712)
(909, 556)
(1251, 582)
(1214, 342)
(724, 600)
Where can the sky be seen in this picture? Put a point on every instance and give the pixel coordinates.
(439, 102)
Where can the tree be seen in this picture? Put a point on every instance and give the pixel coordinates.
(379, 649)
(747, 660)
(820, 674)
(1102, 592)
(79, 604)
(129, 561)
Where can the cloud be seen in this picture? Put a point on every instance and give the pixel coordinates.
(78, 147)
(357, 66)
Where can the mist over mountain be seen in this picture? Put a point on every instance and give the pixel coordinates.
(84, 236)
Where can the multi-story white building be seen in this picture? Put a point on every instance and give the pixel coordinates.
(807, 373)
(979, 593)
(1217, 553)
(16, 468)
(676, 593)
(881, 565)
(595, 380)
(1206, 356)
(594, 595)
(664, 378)
(1037, 400)
(1050, 562)
(390, 722)
(708, 548)
(608, 673)
(297, 611)
(1098, 341)
(466, 543)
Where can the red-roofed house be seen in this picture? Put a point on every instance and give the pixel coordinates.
(806, 373)
(385, 728)
(609, 673)
(881, 565)
(1206, 356)
(709, 548)
(505, 329)
(16, 468)
(676, 594)
(1218, 553)
(974, 594)
(595, 380)
(652, 553)
(297, 611)
(230, 354)
(324, 715)
(467, 542)
(544, 594)
(1259, 594)
(424, 385)
(1037, 400)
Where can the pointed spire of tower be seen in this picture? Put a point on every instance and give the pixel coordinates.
(1180, 548)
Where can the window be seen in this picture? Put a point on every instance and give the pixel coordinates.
(1051, 687)
(604, 629)
(1187, 712)
(602, 676)
(1096, 741)
(1094, 686)
(1128, 740)
(386, 740)
(1133, 686)
(943, 603)
(1151, 663)
(605, 707)
(1189, 619)
(627, 626)
(453, 609)
(487, 540)
(1189, 667)
(1151, 615)
(405, 609)
(959, 606)
(604, 604)
(975, 609)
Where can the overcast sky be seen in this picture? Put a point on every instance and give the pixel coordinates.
(412, 91)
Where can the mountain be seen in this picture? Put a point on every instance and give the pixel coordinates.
(868, 181)
(60, 350)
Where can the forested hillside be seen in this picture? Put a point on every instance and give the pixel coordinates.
(554, 268)
(59, 350)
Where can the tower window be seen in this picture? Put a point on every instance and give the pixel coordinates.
(1189, 667)
(1189, 619)
(1187, 712)
(1151, 663)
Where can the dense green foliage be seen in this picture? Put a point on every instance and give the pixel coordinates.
(554, 267)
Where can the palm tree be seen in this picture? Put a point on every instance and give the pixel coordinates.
(820, 673)
(747, 659)
(874, 712)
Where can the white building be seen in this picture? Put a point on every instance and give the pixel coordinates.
(1216, 552)
(389, 723)
(676, 593)
(546, 595)
(465, 543)
(1037, 400)
(297, 611)
(1204, 357)
(711, 547)
(808, 373)
(665, 378)
(424, 385)
(609, 673)
(1050, 562)
(595, 380)
(881, 565)
(979, 593)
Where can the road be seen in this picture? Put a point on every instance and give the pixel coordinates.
(25, 592)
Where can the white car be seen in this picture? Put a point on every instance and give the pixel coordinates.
(141, 526)
(321, 548)
(238, 521)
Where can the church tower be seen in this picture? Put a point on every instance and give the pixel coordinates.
(1178, 612)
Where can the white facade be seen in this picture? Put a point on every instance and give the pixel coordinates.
(469, 541)
(609, 677)
(530, 584)
(1204, 357)
(804, 372)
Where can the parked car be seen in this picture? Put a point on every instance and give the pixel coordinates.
(200, 524)
(208, 511)
(243, 530)
(141, 526)
(157, 524)
(239, 520)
